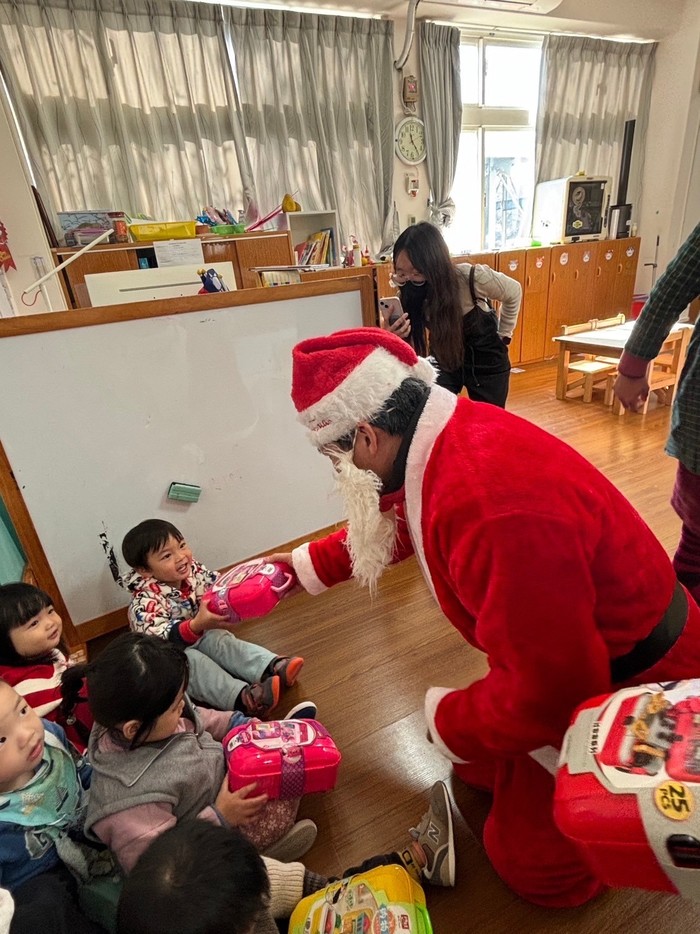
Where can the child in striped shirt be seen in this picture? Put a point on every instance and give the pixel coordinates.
(32, 659)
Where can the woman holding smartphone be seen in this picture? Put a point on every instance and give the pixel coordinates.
(447, 314)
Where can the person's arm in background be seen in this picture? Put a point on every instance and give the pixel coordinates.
(499, 288)
(676, 288)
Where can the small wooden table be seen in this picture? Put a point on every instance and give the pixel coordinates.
(604, 342)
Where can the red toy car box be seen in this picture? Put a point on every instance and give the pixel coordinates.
(287, 758)
(628, 787)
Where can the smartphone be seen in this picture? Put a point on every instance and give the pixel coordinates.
(391, 309)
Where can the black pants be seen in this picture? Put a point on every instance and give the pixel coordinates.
(482, 387)
(48, 904)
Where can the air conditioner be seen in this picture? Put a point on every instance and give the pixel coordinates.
(513, 6)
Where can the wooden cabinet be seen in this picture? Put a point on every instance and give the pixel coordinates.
(275, 249)
(264, 248)
(571, 287)
(512, 264)
(533, 314)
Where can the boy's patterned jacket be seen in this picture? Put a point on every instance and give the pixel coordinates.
(159, 609)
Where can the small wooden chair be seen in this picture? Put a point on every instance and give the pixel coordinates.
(589, 369)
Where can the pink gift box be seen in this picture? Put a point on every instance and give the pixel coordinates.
(249, 590)
(287, 758)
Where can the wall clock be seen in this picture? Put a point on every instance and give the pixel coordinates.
(410, 140)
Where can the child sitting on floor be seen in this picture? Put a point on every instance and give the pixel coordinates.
(213, 881)
(167, 586)
(158, 759)
(41, 805)
(31, 659)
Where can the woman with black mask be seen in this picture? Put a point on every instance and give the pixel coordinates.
(448, 314)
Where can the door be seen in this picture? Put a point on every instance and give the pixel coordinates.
(512, 263)
(571, 284)
(607, 261)
(534, 310)
(625, 275)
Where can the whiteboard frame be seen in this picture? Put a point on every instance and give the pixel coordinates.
(86, 317)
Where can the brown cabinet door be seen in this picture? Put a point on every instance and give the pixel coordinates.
(270, 250)
(94, 261)
(607, 261)
(571, 284)
(625, 275)
(533, 314)
(512, 263)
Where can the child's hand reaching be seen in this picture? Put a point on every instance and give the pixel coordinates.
(236, 807)
(205, 620)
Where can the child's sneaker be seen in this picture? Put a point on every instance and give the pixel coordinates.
(305, 710)
(287, 669)
(294, 843)
(262, 697)
(435, 836)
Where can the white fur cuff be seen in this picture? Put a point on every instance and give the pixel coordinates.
(305, 571)
(433, 697)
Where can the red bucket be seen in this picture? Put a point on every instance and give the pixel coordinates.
(638, 302)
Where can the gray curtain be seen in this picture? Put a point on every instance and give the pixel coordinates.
(126, 104)
(442, 110)
(316, 94)
(588, 89)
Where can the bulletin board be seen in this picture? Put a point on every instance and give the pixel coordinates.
(102, 418)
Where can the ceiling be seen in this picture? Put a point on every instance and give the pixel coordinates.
(628, 19)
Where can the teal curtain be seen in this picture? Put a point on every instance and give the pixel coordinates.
(12, 560)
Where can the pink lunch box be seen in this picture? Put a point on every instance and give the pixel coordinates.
(286, 758)
(249, 590)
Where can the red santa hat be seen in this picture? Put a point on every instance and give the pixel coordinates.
(345, 378)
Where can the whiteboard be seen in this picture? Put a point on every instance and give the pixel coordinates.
(143, 285)
(103, 418)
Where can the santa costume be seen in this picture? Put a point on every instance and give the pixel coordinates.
(535, 558)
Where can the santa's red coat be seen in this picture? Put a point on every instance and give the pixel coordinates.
(536, 558)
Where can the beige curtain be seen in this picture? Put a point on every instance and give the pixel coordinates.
(442, 109)
(126, 105)
(588, 89)
(316, 94)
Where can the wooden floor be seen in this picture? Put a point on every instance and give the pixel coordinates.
(368, 665)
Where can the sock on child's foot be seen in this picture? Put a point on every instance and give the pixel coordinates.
(313, 882)
(413, 860)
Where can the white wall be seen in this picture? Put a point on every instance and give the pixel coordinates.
(674, 119)
(26, 237)
(407, 206)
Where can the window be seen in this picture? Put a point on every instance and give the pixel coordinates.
(494, 182)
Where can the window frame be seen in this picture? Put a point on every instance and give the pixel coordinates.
(479, 117)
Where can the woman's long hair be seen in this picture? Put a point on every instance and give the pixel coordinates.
(442, 307)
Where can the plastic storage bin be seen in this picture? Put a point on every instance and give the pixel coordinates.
(385, 899)
(286, 758)
(628, 787)
(172, 230)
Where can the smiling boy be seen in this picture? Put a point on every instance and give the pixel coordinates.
(167, 585)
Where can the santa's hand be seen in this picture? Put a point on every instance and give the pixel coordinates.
(285, 557)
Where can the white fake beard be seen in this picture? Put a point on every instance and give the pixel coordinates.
(371, 532)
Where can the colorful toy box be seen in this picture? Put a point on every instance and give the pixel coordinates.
(249, 590)
(628, 787)
(382, 900)
(287, 758)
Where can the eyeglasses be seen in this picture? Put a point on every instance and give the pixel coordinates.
(401, 278)
(342, 445)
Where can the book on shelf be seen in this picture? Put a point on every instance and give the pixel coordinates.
(317, 249)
